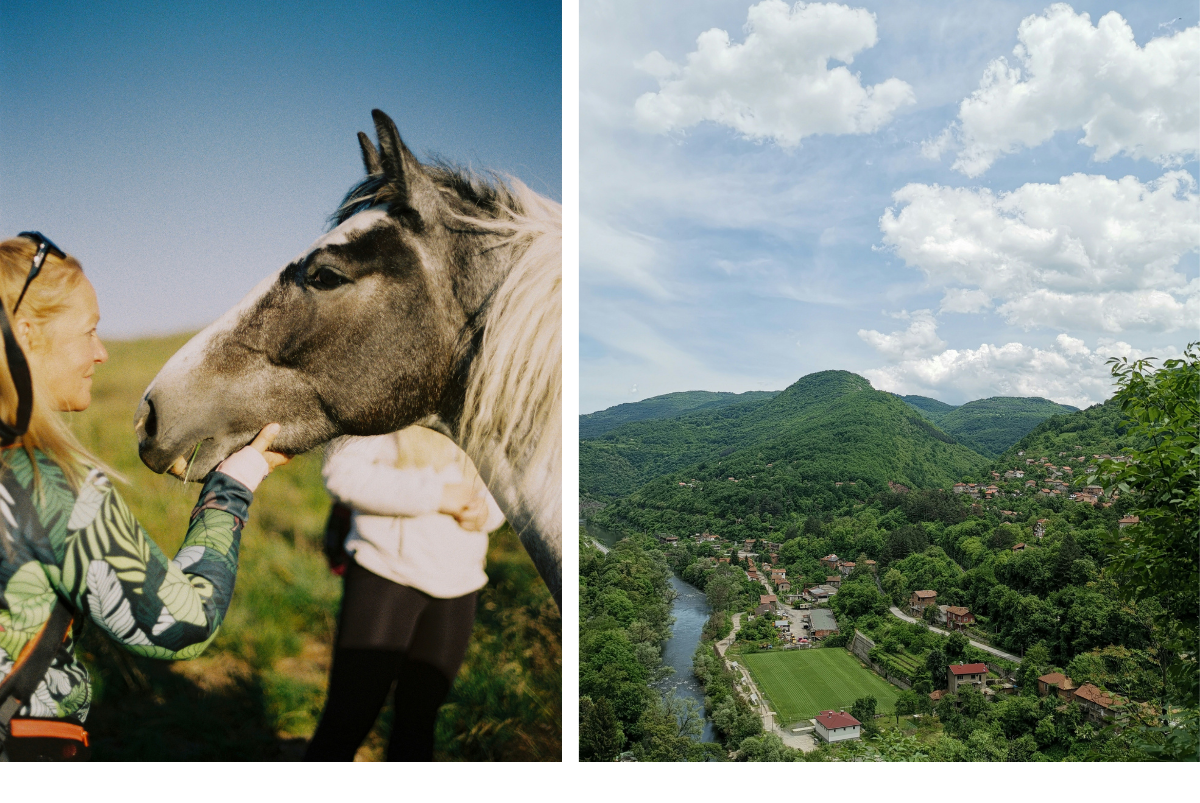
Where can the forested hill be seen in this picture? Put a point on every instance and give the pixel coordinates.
(989, 426)
(1096, 430)
(828, 438)
(669, 405)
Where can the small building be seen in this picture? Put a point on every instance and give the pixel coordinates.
(1127, 521)
(822, 621)
(830, 562)
(937, 694)
(967, 675)
(783, 586)
(1096, 705)
(834, 580)
(956, 617)
(837, 726)
(784, 625)
(846, 568)
(1056, 683)
(766, 599)
(1019, 547)
(870, 564)
(920, 601)
(722, 560)
(762, 610)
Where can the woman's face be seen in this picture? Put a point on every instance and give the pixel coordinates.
(71, 351)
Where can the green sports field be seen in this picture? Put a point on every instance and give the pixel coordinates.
(802, 683)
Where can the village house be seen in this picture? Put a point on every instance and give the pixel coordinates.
(1056, 683)
(846, 568)
(822, 622)
(960, 487)
(818, 594)
(956, 617)
(762, 610)
(784, 586)
(766, 599)
(1019, 547)
(837, 726)
(920, 601)
(1096, 705)
(967, 675)
(870, 564)
(834, 581)
(783, 625)
(830, 562)
(749, 545)
(1014, 474)
(722, 560)
(1128, 521)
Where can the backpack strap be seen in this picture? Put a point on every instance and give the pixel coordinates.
(32, 664)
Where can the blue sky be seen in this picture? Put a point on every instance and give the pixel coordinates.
(734, 193)
(182, 151)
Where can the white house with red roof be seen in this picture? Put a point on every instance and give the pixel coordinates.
(967, 675)
(837, 726)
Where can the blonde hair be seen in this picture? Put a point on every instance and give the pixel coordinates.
(418, 447)
(45, 299)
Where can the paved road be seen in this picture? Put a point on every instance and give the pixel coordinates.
(1001, 653)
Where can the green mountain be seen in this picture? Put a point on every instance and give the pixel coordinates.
(1096, 430)
(828, 437)
(930, 408)
(669, 405)
(989, 426)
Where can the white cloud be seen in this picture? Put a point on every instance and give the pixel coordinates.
(1067, 371)
(1069, 74)
(918, 340)
(777, 84)
(1086, 253)
(956, 299)
(619, 257)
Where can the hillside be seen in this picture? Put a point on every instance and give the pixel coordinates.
(669, 405)
(829, 437)
(1096, 430)
(989, 426)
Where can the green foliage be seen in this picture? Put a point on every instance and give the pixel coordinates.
(863, 710)
(600, 736)
(989, 426)
(1157, 561)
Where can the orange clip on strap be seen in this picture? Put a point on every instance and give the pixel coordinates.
(48, 729)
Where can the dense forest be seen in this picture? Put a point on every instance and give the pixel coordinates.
(989, 426)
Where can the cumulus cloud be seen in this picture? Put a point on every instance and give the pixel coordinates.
(1067, 371)
(777, 83)
(1087, 253)
(1068, 75)
(918, 340)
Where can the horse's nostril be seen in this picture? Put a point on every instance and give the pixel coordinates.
(150, 423)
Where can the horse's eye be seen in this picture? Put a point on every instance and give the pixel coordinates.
(326, 279)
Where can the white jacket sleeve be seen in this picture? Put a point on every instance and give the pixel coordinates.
(358, 471)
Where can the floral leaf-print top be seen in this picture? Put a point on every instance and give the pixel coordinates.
(88, 549)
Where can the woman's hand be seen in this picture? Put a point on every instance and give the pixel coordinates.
(466, 503)
(262, 442)
(251, 464)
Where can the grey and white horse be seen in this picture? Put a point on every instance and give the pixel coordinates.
(435, 299)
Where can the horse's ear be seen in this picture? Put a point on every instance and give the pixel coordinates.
(370, 155)
(415, 191)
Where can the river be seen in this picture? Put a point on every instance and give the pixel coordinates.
(691, 611)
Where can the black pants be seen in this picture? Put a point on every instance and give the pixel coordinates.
(390, 635)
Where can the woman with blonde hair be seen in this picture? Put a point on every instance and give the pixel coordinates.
(415, 559)
(70, 548)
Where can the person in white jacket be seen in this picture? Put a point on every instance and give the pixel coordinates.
(417, 545)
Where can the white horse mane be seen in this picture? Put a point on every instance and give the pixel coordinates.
(514, 395)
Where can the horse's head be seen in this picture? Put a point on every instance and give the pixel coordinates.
(359, 335)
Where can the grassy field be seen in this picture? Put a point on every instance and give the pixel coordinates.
(802, 683)
(257, 692)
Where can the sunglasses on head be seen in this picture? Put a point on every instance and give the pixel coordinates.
(45, 246)
(18, 367)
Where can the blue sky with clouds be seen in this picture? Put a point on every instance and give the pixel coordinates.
(184, 150)
(768, 191)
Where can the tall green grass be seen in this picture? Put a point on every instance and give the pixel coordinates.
(257, 692)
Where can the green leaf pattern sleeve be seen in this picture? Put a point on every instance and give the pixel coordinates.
(89, 549)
